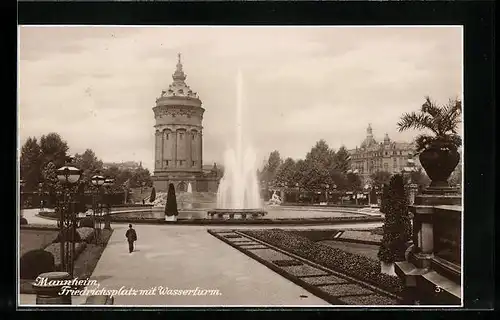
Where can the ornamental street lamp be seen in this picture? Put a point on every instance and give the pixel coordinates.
(368, 188)
(68, 177)
(108, 182)
(327, 187)
(97, 181)
(40, 194)
(298, 192)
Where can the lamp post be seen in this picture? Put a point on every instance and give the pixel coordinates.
(68, 176)
(40, 194)
(368, 188)
(327, 187)
(108, 182)
(297, 197)
(97, 181)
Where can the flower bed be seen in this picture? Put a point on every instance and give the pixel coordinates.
(360, 235)
(317, 235)
(287, 263)
(55, 249)
(353, 265)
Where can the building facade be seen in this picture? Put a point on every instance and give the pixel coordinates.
(387, 155)
(179, 138)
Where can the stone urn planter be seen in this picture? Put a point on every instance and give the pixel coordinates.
(439, 163)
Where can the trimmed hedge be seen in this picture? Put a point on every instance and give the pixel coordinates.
(353, 265)
(35, 262)
(86, 234)
(86, 222)
(67, 235)
(55, 250)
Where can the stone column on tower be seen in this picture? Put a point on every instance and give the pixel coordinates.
(200, 149)
(174, 134)
(189, 143)
(164, 150)
(158, 142)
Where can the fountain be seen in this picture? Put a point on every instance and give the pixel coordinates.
(238, 191)
(188, 204)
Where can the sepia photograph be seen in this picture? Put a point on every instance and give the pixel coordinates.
(240, 166)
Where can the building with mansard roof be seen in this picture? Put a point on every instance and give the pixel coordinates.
(179, 138)
(385, 155)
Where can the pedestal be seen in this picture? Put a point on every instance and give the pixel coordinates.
(170, 218)
(387, 268)
(47, 293)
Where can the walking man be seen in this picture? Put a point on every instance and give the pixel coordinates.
(131, 236)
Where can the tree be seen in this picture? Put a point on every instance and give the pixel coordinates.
(342, 160)
(271, 167)
(53, 149)
(353, 181)
(321, 154)
(50, 181)
(397, 225)
(318, 167)
(171, 205)
(383, 198)
(379, 178)
(285, 173)
(152, 198)
(139, 176)
(88, 163)
(30, 163)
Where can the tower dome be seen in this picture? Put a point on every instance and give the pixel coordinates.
(178, 88)
(369, 140)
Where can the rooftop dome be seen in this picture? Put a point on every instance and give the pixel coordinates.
(179, 88)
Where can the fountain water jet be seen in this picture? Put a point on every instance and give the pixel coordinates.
(239, 189)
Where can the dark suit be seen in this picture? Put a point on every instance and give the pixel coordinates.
(131, 236)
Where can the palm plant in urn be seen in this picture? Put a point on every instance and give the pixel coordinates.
(438, 151)
(171, 205)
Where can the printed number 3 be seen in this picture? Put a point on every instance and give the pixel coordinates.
(438, 289)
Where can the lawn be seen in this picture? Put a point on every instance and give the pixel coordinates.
(84, 264)
(35, 239)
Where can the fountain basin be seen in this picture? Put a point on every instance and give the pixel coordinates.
(240, 213)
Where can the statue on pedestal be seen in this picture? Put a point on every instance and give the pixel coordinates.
(275, 200)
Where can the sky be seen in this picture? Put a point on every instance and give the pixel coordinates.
(96, 86)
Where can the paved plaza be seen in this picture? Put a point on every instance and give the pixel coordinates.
(187, 257)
